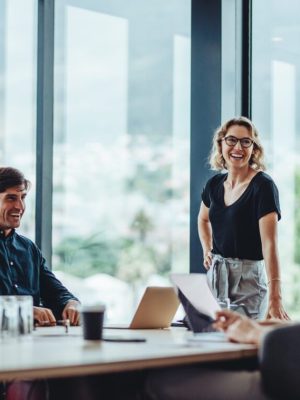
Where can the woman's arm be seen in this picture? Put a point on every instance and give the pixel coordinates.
(205, 234)
(268, 234)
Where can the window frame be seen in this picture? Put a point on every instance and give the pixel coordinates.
(206, 105)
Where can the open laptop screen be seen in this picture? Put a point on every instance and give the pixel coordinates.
(197, 300)
(196, 321)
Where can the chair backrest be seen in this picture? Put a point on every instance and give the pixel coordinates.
(279, 358)
(27, 390)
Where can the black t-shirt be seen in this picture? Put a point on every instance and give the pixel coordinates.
(236, 227)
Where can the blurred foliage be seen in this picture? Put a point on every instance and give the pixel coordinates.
(297, 218)
(295, 298)
(146, 181)
(142, 225)
(86, 256)
(129, 258)
(295, 270)
(140, 253)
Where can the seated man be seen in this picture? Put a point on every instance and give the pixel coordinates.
(23, 270)
(231, 380)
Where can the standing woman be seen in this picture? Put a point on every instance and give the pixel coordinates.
(237, 223)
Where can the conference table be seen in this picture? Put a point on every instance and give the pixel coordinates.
(50, 352)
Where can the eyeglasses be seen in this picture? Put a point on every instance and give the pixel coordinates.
(232, 141)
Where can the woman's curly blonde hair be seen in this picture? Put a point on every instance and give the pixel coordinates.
(216, 159)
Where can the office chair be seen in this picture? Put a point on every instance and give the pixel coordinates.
(279, 358)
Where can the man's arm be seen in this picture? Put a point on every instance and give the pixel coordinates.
(57, 297)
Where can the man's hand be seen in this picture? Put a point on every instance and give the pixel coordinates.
(239, 328)
(43, 316)
(71, 312)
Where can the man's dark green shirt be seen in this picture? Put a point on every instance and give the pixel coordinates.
(23, 271)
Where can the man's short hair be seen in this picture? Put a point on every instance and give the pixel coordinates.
(11, 177)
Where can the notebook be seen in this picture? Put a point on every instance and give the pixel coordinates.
(155, 310)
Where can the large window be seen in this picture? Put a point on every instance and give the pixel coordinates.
(18, 31)
(276, 94)
(121, 147)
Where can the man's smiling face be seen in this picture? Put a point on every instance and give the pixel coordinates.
(12, 207)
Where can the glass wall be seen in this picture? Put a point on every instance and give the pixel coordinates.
(121, 147)
(276, 94)
(18, 31)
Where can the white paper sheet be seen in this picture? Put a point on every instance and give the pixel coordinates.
(195, 288)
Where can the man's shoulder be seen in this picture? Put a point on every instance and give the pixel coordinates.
(25, 241)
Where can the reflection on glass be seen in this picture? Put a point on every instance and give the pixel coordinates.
(18, 30)
(276, 28)
(121, 147)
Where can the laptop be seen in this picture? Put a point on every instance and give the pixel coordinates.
(199, 305)
(156, 310)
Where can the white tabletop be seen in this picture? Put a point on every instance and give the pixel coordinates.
(50, 352)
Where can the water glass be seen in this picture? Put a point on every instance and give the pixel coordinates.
(224, 302)
(10, 317)
(1, 313)
(25, 311)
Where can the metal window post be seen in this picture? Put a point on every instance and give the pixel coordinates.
(44, 126)
(205, 106)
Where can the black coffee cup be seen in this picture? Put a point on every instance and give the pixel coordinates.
(92, 321)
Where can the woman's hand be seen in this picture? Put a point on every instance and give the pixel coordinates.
(276, 310)
(207, 259)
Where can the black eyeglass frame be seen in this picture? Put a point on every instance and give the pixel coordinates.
(238, 140)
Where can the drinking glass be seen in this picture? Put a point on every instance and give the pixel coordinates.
(25, 311)
(1, 314)
(224, 302)
(10, 317)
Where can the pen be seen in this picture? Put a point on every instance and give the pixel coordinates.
(124, 340)
(65, 323)
(60, 322)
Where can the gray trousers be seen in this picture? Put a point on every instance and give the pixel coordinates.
(242, 281)
(197, 383)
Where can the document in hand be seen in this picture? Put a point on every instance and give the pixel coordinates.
(197, 300)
